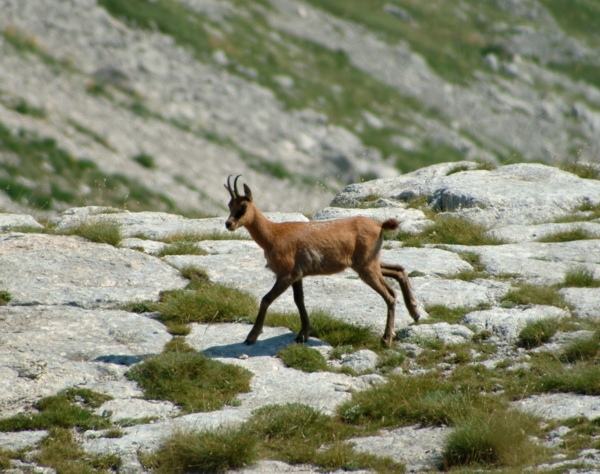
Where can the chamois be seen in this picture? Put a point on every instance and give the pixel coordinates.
(295, 250)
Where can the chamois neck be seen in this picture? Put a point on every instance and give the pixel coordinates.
(261, 230)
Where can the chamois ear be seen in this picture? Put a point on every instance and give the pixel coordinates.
(247, 192)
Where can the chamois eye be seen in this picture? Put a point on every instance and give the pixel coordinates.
(241, 211)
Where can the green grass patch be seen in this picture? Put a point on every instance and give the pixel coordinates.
(428, 399)
(189, 379)
(301, 357)
(452, 230)
(206, 302)
(441, 313)
(5, 297)
(527, 294)
(582, 350)
(203, 451)
(145, 160)
(567, 236)
(536, 333)
(500, 438)
(6, 456)
(68, 409)
(100, 231)
(581, 277)
(61, 452)
(389, 360)
(582, 378)
(182, 248)
(63, 177)
(90, 133)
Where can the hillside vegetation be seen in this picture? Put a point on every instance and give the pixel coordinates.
(152, 103)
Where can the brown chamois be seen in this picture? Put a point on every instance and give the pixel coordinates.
(295, 250)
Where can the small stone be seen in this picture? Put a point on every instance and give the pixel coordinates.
(243, 356)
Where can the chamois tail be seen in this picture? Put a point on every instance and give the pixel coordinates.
(390, 224)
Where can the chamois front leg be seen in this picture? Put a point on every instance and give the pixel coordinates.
(299, 300)
(282, 284)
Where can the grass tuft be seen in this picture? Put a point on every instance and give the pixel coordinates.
(536, 333)
(205, 302)
(68, 409)
(582, 350)
(452, 230)
(583, 169)
(581, 277)
(500, 438)
(526, 294)
(62, 453)
(567, 236)
(204, 451)
(425, 399)
(189, 379)
(100, 231)
(182, 248)
(5, 297)
(145, 160)
(301, 357)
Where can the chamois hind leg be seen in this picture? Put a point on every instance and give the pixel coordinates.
(373, 278)
(299, 300)
(280, 286)
(398, 273)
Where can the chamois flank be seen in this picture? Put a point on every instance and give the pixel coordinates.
(295, 250)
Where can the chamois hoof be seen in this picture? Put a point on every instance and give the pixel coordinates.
(249, 341)
(300, 339)
(387, 343)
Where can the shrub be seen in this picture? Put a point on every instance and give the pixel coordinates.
(536, 333)
(190, 380)
(301, 357)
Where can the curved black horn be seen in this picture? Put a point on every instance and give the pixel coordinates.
(229, 186)
(235, 185)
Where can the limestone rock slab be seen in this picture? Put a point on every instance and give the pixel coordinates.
(411, 220)
(585, 301)
(420, 449)
(10, 221)
(447, 333)
(150, 436)
(507, 323)
(150, 247)
(538, 263)
(531, 233)
(429, 261)
(21, 439)
(458, 293)
(158, 225)
(61, 270)
(561, 406)
(360, 361)
(119, 409)
(517, 194)
(46, 349)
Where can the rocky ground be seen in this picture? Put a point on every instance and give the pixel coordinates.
(64, 325)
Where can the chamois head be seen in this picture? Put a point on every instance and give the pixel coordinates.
(241, 207)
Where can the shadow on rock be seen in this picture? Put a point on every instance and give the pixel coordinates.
(262, 348)
(120, 359)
